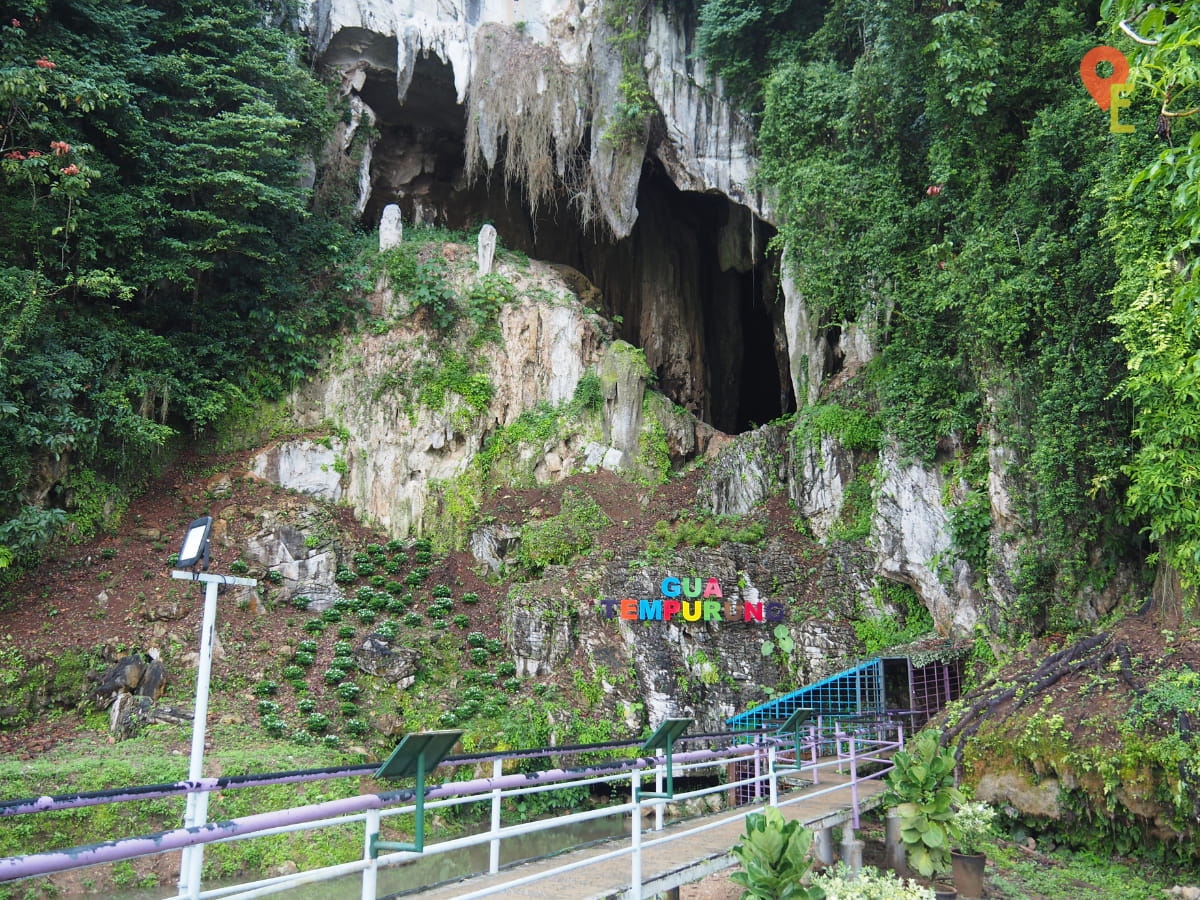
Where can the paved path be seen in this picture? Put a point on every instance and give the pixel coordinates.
(663, 867)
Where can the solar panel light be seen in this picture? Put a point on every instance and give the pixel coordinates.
(195, 544)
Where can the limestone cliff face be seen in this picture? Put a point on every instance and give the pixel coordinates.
(568, 93)
(395, 445)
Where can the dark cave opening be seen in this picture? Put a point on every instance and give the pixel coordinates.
(691, 285)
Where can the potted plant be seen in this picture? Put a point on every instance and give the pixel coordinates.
(774, 858)
(921, 790)
(971, 827)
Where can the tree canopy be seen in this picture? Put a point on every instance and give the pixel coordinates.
(157, 252)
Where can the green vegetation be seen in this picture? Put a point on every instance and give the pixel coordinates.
(922, 792)
(943, 187)
(559, 539)
(701, 530)
(774, 858)
(880, 632)
(149, 191)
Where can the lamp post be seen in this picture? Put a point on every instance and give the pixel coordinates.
(195, 551)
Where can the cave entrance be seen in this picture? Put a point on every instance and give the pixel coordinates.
(692, 284)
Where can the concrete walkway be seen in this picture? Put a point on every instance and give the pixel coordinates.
(669, 865)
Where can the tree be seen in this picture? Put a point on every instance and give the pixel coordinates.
(1159, 319)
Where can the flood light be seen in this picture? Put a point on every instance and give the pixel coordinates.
(195, 544)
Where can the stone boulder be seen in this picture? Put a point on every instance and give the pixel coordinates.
(395, 665)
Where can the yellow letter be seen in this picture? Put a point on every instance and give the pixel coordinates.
(1117, 103)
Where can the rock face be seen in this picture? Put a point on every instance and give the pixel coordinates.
(486, 112)
(564, 50)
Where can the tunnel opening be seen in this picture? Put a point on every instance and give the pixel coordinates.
(691, 285)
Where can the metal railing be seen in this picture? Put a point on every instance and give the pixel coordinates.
(772, 756)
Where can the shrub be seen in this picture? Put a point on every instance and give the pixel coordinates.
(346, 631)
(334, 676)
(274, 725)
(972, 826)
(479, 656)
(442, 590)
(266, 689)
(332, 615)
(921, 788)
(300, 601)
(314, 626)
(470, 598)
(412, 620)
(348, 709)
(356, 727)
(268, 708)
(461, 621)
(345, 576)
(506, 669)
(304, 658)
(348, 690)
(317, 723)
(868, 884)
(476, 639)
(387, 631)
(307, 646)
(394, 587)
(332, 741)
(307, 705)
(294, 673)
(774, 858)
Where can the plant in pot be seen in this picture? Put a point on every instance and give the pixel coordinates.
(972, 826)
(774, 857)
(922, 794)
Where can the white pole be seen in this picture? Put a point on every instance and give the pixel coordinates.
(371, 873)
(635, 886)
(494, 845)
(197, 801)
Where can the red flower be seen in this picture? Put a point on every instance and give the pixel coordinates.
(60, 148)
(14, 154)
(72, 169)
(43, 63)
(933, 190)
(34, 154)
(16, 23)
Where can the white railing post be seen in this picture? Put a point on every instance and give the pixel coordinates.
(854, 782)
(772, 755)
(899, 735)
(815, 731)
(635, 878)
(371, 872)
(758, 748)
(494, 845)
(661, 806)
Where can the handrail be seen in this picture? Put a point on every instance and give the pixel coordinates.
(80, 799)
(371, 808)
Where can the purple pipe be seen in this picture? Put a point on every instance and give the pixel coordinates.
(49, 803)
(14, 867)
(33, 864)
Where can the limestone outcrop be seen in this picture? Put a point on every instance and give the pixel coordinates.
(561, 71)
